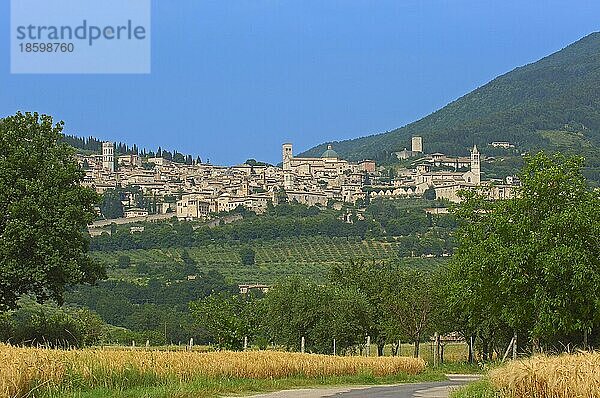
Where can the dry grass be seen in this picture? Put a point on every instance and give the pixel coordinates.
(564, 376)
(25, 369)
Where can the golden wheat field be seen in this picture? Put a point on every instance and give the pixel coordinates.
(564, 376)
(22, 369)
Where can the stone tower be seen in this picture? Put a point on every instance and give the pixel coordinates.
(108, 156)
(417, 144)
(476, 165)
(287, 156)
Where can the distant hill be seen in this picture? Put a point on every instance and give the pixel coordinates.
(552, 104)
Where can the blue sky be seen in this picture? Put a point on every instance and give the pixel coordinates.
(232, 80)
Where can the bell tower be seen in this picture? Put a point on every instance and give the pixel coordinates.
(476, 165)
(287, 156)
(108, 156)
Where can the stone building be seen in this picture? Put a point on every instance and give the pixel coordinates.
(192, 207)
(417, 144)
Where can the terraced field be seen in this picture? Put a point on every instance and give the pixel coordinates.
(308, 256)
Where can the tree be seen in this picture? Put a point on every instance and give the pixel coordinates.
(45, 212)
(531, 264)
(167, 155)
(348, 319)
(281, 196)
(367, 278)
(227, 317)
(189, 264)
(430, 194)
(178, 157)
(410, 298)
(392, 174)
(111, 206)
(142, 268)
(34, 323)
(296, 309)
(402, 300)
(124, 261)
(248, 256)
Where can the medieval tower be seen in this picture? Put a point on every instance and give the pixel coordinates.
(475, 166)
(108, 156)
(417, 145)
(287, 156)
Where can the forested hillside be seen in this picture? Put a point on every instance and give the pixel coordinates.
(154, 274)
(552, 104)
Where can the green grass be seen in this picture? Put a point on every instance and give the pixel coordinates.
(206, 387)
(479, 389)
(459, 368)
(565, 140)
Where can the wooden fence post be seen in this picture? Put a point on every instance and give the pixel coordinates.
(471, 350)
(436, 357)
(514, 352)
(512, 341)
(302, 345)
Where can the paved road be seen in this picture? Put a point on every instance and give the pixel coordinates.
(418, 390)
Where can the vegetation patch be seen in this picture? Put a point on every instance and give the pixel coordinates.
(564, 376)
(478, 389)
(567, 140)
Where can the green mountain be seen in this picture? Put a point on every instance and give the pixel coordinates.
(551, 104)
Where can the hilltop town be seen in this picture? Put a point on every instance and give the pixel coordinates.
(194, 190)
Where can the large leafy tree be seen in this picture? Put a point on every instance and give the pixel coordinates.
(227, 318)
(43, 212)
(248, 256)
(531, 264)
(404, 302)
(111, 206)
(412, 301)
(33, 323)
(296, 309)
(369, 279)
